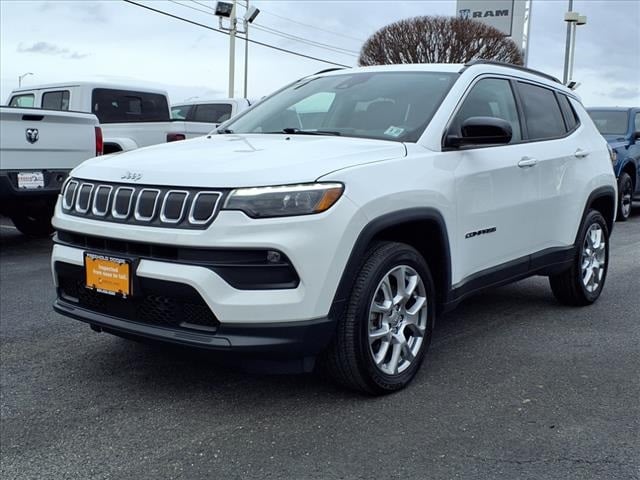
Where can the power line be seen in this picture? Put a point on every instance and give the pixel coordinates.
(273, 31)
(273, 47)
(312, 26)
(289, 36)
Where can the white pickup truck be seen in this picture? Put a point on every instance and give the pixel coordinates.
(38, 149)
(130, 117)
(201, 116)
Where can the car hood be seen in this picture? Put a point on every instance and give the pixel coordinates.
(228, 161)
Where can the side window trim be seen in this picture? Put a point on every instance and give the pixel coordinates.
(524, 129)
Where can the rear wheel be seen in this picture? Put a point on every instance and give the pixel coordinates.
(33, 224)
(583, 282)
(625, 196)
(385, 332)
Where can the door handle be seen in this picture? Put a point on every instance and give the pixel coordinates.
(580, 153)
(527, 162)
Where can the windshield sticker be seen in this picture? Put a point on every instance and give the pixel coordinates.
(394, 131)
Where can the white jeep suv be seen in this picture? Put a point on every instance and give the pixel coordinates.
(334, 220)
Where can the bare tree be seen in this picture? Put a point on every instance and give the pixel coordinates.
(438, 40)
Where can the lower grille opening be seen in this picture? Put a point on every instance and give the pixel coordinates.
(155, 302)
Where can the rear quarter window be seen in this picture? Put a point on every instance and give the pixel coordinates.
(570, 116)
(541, 112)
(123, 106)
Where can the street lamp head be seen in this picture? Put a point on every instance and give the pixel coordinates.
(571, 17)
(224, 9)
(251, 14)
(582, 20)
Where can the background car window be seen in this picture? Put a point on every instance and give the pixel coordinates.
(490, 97)
(58, 100)
(610, 122)
(384, 105)
(541, 112)
(570, 117)
(180, 112)
(113, 106)
(22, 100)
(212, 113)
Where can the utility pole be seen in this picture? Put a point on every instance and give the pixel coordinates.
(528, 35)
(567, 47)
(232, 50)
(246, 52)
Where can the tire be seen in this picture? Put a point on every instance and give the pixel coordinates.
(576, 286)
(33, 225)
(625, 197)
(407, 320)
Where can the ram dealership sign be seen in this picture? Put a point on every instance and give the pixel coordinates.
(505, 15)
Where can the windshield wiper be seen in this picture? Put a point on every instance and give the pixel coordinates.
(225, 130)
(297, 131)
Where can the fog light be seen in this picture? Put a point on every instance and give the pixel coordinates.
(273, 257)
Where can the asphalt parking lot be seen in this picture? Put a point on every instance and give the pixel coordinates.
(515, 386)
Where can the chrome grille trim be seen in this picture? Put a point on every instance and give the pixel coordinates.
(163, 218)
(136, 210)
(94, 209)
(114, 213)
(214, 210)
(79, 209)
(65, 205)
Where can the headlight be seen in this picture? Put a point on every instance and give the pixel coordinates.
(612, 154)
(286, 200)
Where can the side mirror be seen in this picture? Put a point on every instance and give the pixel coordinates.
(482, 131)
(636, 136)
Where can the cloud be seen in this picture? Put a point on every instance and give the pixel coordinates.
(623, 93)
(47, 48)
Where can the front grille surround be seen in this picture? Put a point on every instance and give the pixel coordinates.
(185, 208)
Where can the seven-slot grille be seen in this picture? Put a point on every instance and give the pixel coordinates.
(139, 204)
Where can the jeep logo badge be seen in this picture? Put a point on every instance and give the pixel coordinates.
(135, 176)
(32, 135)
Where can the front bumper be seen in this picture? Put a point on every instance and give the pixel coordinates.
(285, 340)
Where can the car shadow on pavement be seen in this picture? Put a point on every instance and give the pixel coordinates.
(175, 372)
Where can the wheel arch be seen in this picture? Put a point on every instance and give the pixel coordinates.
(630, 168)
(419, 227)
(602, 199)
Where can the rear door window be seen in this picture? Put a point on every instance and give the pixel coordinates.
(123, 106)
(211, 113)
(541, 111)
(58, 100)
(180, 112)
(25, 100)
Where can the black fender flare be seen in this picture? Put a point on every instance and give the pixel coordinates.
(368, 233)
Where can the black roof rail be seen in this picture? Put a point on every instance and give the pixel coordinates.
(510, 65)
(327, 70)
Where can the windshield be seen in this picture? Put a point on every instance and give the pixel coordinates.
(610, 122)
(381, 105)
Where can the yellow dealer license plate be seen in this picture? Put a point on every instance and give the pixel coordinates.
(108, 274)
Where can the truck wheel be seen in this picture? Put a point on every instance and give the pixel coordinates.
(625, 194)
(38, 225)
(386, 329)
(583, 282)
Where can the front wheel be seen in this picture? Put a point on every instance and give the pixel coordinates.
(583, 282)
(625, 196)
(385, 332)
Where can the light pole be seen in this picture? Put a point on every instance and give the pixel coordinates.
(573, 19)
(228, 10)
(20, 77)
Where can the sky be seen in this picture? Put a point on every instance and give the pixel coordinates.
(115, 41)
